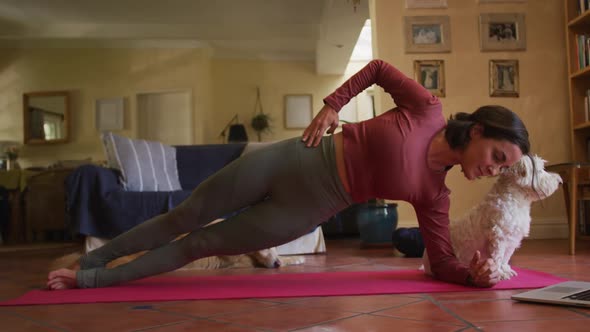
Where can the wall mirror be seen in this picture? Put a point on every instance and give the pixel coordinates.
(46, 117)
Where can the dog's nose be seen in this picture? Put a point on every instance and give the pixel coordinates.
(493, 171)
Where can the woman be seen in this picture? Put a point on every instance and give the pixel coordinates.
(292, 186)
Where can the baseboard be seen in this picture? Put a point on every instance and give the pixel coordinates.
(541, 228)
(549, 228)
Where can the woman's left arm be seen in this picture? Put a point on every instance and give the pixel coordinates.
(327, 118)
(405, 92)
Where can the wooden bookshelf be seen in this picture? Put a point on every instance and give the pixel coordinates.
(576, 174)
(577, 18)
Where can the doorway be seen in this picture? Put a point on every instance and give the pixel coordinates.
(165, 117)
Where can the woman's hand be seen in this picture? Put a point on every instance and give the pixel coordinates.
(483, 273)
(327, 117)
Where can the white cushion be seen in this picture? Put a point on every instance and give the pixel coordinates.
(310, 243)
(144, 165)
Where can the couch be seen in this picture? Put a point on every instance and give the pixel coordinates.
(100, 207)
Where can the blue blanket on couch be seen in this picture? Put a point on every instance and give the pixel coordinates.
(99, 206)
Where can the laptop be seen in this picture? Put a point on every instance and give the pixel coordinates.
(574, 293)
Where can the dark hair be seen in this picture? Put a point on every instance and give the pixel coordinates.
(497, 122)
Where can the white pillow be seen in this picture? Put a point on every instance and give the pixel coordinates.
(144, 165)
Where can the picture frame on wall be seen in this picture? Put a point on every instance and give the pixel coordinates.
(502, 32)
(110, 114)
(427, 34)
(298, 111)
(422, 4)
(431, 75)
(504, 78)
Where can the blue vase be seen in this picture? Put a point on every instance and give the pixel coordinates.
(376, 223)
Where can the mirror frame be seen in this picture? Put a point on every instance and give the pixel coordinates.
(27, 132)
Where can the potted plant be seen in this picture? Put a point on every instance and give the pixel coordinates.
(261, 121)
(11, 153)
(376, 220)
(261, 124)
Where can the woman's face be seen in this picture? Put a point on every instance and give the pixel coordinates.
(486, 156)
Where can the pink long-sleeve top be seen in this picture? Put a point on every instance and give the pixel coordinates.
(386, 157)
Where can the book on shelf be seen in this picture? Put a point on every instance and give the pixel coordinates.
(583, 48)
(586, 110)
(584, 211)
(583, 6)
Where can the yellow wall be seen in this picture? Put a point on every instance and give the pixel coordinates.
(220, 89)
(234, 85)
(543, 86)
(91, 74)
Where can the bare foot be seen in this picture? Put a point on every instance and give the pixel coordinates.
(62, 279)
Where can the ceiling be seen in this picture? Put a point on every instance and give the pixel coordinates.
(324, 31)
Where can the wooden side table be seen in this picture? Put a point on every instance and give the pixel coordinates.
(45, 202)
(574, 176)
(11, 180)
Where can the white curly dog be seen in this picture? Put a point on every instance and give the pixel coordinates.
(497, 225)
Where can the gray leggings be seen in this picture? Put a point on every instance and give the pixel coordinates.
(286, 188)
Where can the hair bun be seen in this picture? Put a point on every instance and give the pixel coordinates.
(462, 116)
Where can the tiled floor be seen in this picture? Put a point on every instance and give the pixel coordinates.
(470, 311)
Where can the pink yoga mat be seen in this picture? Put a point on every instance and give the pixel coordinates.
(271, 285)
